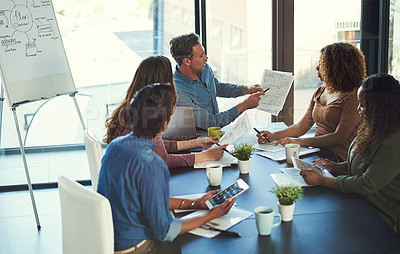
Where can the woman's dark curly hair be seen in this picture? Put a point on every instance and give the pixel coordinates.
(153, 69)
(380, 97)
(342, 67)
(151, 107)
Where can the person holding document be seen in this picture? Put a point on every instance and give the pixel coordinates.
(333, 107)
(198, 88)
(135, 181)
(157, 69)
(373, 163)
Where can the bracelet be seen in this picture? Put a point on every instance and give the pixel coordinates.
(182, 202)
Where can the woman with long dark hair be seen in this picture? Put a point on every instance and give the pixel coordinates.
(373, 162)
(157, 69)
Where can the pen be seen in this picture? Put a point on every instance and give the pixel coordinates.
(266, 90)
(224, 232)
(261, 134)
(225, 149)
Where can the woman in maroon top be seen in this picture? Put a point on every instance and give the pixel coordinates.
(157, 69)
(333, 107)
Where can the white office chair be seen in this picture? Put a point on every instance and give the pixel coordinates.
(87, 225)
(94, 153)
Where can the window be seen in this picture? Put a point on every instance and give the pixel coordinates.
(394, 39)
(104, 42)
(239, 45)
(328, 22)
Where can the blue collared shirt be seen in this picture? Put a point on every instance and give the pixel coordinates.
(135, 181)
(201, 96)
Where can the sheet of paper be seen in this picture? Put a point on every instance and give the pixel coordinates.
(226, 161)
(281, 179)
(289, 176)
(238, 130)
(279, 155)
(279, 84)
(270, 147)
(225, 222)
(294, 175)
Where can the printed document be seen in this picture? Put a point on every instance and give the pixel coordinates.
(238, 130)
(278, 84)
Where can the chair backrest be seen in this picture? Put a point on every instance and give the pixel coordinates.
(94, 153)
(87, 225)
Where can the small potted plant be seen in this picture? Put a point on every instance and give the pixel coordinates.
(243, 152)
(287, 196)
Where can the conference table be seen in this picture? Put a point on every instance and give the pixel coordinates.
(325, 221)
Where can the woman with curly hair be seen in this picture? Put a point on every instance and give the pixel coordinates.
(157, 69)
(333, 107)
(373, 165)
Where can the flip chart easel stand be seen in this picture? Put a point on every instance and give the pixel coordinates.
(1, 108)
(77, 109)
(21, 147)
(28, 179)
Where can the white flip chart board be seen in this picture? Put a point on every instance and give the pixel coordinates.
(33, 62)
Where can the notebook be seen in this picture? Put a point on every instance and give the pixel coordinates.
(181, 126)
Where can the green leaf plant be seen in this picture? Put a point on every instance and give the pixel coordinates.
(287, 195)
(243, 151)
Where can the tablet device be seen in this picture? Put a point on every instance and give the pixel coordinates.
(232, 191)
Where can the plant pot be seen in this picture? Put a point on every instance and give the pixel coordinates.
(244, 166)
(286, 211)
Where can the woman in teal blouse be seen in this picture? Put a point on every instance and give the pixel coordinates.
(373, 162)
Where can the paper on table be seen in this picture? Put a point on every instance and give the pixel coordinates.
(294, 175)
(271, 147)
(238, 130)
(279, 84)
(226, 161)
(279, 155)
(291, 176)
(282, 180)
(230, 219)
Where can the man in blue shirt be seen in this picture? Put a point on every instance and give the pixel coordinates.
(198, 88)
(135, 181)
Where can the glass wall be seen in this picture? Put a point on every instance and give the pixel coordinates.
(239, 45)
(104, 40)
(394, 39)
(328, 22)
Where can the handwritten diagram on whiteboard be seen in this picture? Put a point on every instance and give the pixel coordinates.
(30, 41)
